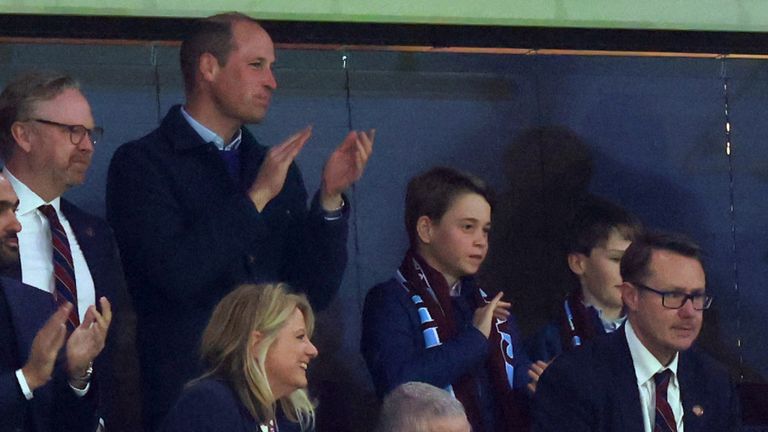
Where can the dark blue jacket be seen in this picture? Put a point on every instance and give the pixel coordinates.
(393, 346)
(116, 367)
(188, 234)
(54, 407)
(594, 389)
(548, 342)
(210, 405)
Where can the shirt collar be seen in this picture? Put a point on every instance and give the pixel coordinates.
(29, 201)
(646, 364)
(455, 290)
(210, 136)
(608, 325)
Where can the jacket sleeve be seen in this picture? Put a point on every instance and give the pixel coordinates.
(545, 345)
(559, 404)
(12, 401)
(393, 347)
(188, 256)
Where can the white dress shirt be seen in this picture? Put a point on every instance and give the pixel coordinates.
(646, 366)
(36, 254)
(36, 249)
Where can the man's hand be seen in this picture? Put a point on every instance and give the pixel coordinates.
(271, 178)
(345, 166)
(485, 315)
(45, 347)
(87, 341)
(535, 372)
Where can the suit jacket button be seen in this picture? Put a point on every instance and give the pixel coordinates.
(251, 259)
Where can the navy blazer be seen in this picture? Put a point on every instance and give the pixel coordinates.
(593, 388)
(188, 234)
(393, 346)
(54, 407)
(548, 342)
(210, 405)
(116, 368)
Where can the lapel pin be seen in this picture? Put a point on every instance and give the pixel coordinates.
(697, 410)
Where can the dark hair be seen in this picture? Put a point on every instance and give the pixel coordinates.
(208, 35)
(593, 221)
(636, 260)
(431, 194)
(20, 96)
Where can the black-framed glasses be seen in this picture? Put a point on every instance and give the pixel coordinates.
(76, 132)
(676, 300)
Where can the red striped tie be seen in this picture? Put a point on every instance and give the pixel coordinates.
(665, 419)
(63, 266)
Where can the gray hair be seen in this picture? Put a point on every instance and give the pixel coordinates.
(411, 406)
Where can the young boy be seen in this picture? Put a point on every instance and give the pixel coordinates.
(600, 233)
(431, 322)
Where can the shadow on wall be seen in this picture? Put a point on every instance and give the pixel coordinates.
(549, 169)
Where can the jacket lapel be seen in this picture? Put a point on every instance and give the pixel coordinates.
(85, 233)
(625, 391)
(694, 412)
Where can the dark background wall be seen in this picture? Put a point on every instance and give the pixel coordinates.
(652, 130)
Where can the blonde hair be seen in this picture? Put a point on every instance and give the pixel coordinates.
(226, 351)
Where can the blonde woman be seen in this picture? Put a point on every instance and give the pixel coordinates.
(256, 349)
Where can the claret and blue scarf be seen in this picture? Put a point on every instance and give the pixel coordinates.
(430, 294)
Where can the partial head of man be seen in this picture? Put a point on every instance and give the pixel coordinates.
(9, 225)
(599, 234)
(664, 292)
(420, 407)
(47, 132)
(226, 61)
(448, 218)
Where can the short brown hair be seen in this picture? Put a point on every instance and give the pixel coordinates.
(635, 264)
(19, 98)
(208, 35)
(593, 222)
(431, 194)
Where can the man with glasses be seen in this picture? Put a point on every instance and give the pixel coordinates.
(645, 376)
(47, 139)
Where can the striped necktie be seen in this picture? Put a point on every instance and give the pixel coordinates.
(63, 266)
(665, 419)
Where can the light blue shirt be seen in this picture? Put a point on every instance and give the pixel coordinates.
(210, 136)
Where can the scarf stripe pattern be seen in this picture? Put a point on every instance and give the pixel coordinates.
(429, 293)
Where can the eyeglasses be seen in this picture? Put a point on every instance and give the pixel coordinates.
(76, 132)
(676, 300)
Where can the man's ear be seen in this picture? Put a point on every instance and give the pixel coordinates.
(576, 262)
(630, 297)
(22, 135)
(208, 66)
(424, 229)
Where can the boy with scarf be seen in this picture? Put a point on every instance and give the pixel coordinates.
(600, 233)
(432, 323)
